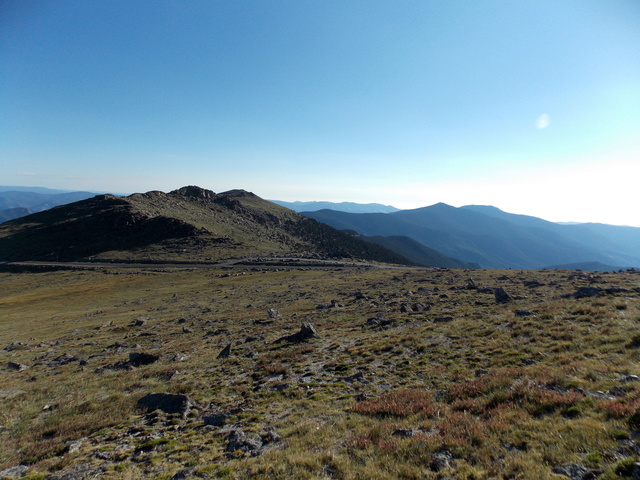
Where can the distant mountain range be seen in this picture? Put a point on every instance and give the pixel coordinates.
(495, 239)
(16, 202)
(340, 207)
(188, 223)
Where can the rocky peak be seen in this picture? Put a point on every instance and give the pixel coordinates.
(193, 191)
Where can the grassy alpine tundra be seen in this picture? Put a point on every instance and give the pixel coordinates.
(350, 374)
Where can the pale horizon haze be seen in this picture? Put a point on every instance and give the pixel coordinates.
(529, 106)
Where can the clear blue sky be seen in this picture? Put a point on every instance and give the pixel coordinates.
(531, 106)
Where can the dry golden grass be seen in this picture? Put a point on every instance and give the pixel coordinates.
(504, 390)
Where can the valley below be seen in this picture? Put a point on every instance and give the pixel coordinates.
(271, 371)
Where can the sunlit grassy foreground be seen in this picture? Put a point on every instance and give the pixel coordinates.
(415, 373)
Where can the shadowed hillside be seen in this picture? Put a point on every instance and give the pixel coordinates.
(188, 224)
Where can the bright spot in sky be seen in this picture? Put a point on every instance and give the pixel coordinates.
(543, 121)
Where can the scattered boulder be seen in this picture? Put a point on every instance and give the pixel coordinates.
(140, 321)
(185, 474)
(271, 436)
(11, 394)
(273, 313)
(81, 471)
(414, 307)
(359, 377)
(166, 402)
(440, 460)
(405, 432)
(306, 332)
(18, 471)
(137, 359)
(215, 419)
(178, 357)
(380, 322)
(575, 471)
(523, 313)
(16, 346)
(239, 441)
(226, 351)
(501, 295)
(442, 319)
(584, 292)
(17, 366)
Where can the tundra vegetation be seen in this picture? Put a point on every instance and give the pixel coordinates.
(401, 373)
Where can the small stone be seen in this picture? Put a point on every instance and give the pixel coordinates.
(273, 313)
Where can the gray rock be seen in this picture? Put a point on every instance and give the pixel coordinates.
(271, 436)
(215, 419)
(140, 322)
(11, 393)
(380, 322)
(501, 295)
(306, 332)
(18, 471)
(575, 471)
(226, 351)
(17, 366)
(16, 346)
(273, 313)
(82, 471)
(140, 358)
(166, 402)
(405, 432)
(184, 474)
(441, 460)
(238, 440)
(584, 292)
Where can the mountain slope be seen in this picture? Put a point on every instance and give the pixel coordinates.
(188, 224)
(474, 236)
(418, 253)
(620, 244)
